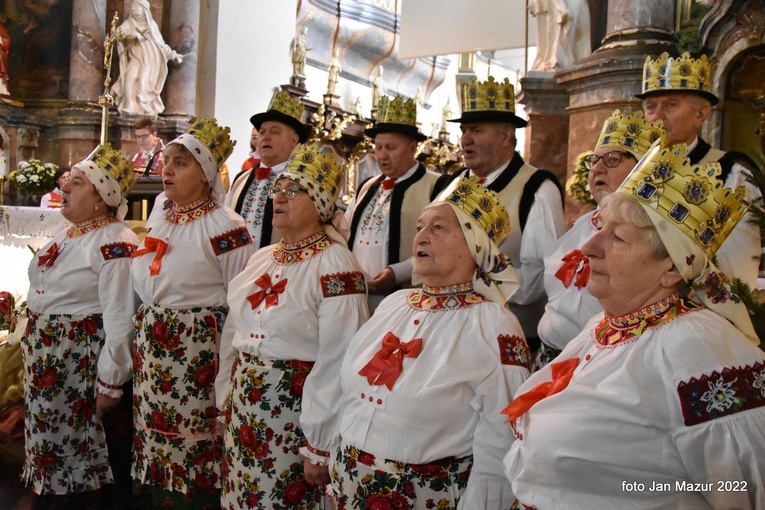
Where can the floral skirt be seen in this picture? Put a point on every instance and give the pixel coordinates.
(359, 480)
(262, 467)
(176, 447)
(65, 441)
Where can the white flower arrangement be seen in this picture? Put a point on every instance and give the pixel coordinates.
(35, 177)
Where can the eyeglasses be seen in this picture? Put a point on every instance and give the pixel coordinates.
(289, 192)
(610, 159)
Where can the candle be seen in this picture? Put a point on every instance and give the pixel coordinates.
(3, 166)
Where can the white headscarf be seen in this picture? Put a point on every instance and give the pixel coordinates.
(106, 186)
(209, 166)
(494, 278)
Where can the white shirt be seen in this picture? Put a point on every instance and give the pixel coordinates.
(639, 412)
(191, 273)
(86, 279)
(568, 308)
(447, 400)
(322, 305)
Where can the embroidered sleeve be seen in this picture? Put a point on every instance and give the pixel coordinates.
(730, 391)
(230, 240)
(117, 250)
(342, 284)
(514, 351)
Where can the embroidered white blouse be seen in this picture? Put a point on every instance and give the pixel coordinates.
(569, 307)
(90, 274)
(206, 247)
(645, 419)
(318, 301)
(446, 401)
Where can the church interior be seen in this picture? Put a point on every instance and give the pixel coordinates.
(66, 86)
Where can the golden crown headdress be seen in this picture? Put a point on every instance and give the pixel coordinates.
(116, 165)
(321, 169)
(630, 132)
(481, 204)
(217, 139)
(287, 104)
(489, 101)
(691, 197)
(682, 74)
(397, 111)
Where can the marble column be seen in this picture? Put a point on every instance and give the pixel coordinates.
(80, 122)
(181, 86)
(610, 77)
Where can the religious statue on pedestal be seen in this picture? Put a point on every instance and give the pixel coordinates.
(143, 56)
(334, 73)
(563, 33)
(299, 52)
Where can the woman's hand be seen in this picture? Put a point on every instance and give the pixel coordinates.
(315, 474)
(104, 404)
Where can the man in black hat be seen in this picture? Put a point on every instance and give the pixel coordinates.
(533, 197)
(677, 91)
(280, 130)
(384, 212)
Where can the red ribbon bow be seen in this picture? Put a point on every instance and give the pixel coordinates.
(574, 263)
(262, 172)
(49, 257)
(562, 372)
(249, 163)
(270, 291)
(388, 183)
(152, 244)
(387, 364)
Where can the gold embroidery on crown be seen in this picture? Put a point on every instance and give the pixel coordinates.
(681, 73)
(692, 197)
(286, 103)
(116, 166)
(488, 96)
(216, 138)
(320, 167)
(630, 131)
(481, 204)
(398, 111)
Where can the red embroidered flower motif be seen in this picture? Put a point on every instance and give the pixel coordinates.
(158, 420)
(204, 376)
(366, 458)
(49, 377)
(159, 331)
(296, 384)
(90, 326)
(252, 500)
(254, 395)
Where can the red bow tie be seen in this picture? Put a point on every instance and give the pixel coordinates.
(49, 258)
(574, 263)
(387, 364)
(152, 244)
(562, 372)
(262, 172)
(270, 291)
(388, 183)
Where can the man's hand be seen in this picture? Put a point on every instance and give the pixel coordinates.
(315, 474)
(382, 282)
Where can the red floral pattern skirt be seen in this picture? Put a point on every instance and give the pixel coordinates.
(359, 480)
(262, 467)
(176, 446)
(65, 440)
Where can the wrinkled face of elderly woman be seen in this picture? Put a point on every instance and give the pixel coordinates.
(608, 170)
(182, 178)
(80, 201)
(441, 254)
(295, 215)
(630, 268)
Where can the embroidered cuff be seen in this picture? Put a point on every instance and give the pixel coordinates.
(314, 455)
(109, 390)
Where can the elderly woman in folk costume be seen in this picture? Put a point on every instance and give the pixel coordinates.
(623, 141)
(77, 348)
(182, 272)
(659, 402)
(424, 380)
(294, 309)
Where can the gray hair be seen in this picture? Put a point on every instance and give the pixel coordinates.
(627, 209)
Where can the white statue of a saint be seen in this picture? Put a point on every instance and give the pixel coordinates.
(446, 114)
(377, 88)
(334, 72)
(563, 33)
(143, 57)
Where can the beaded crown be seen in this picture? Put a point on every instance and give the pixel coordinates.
(287, 104)
(682, 74)
(397, 111)
(116, 166)
(488, 95)
(691, 197)
(217, 139)
(481, 204)
(320, 168)
(630, 132)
